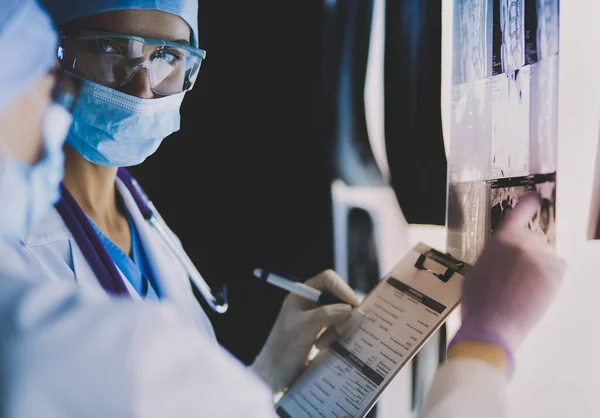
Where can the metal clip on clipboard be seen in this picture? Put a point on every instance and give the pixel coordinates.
(446, 261)
(435, 350)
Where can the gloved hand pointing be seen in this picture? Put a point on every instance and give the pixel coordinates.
(512, 284)
(296, 329)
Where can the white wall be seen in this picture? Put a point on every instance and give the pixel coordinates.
(558, 367)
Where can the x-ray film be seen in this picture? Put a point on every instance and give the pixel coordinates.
(508, 35)
(506, 193)
(543, 117)
(510, 123)
(468, 219)
(503, 131)
(541, 30)
(471, 127)
(472, 41)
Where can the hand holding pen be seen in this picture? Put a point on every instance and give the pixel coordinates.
(300, 323)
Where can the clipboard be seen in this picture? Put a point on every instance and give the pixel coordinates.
(403, 311)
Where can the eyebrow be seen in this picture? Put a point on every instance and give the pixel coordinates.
(182, 41)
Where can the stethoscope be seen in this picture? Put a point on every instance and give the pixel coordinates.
(100, 261)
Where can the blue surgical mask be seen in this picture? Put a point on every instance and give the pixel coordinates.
(116, 129)
(27, 192)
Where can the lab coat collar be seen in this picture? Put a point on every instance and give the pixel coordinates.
(46, 230)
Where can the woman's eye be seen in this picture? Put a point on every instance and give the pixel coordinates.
(171, 57)
(104, 47)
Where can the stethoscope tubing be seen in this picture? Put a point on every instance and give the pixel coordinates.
(100, 261)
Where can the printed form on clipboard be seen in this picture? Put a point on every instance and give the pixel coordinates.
(402, 313)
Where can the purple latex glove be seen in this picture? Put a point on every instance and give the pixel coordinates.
(512, 284)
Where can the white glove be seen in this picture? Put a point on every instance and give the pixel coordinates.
(296, 329)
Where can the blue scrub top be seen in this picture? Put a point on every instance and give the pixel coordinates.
(135, 267)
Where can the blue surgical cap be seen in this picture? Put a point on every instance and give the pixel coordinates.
(29, 43)
(63, 11)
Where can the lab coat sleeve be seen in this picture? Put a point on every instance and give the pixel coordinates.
(466, 388)
(67, 352)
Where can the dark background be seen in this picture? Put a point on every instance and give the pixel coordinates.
(246, 182)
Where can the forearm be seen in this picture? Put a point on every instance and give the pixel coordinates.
(471, 384)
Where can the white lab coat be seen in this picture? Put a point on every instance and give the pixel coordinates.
(53, 248)
(68, 351)
(466, 388)
(71, 351)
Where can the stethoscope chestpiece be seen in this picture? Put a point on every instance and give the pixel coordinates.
(221, 301)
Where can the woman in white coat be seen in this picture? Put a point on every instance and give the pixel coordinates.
(136, 59)
(69, 350)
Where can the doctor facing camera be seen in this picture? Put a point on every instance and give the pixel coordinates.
(136, 60)
(85, 333)
(147, 44)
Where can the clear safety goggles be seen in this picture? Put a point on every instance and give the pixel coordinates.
(113, 60)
